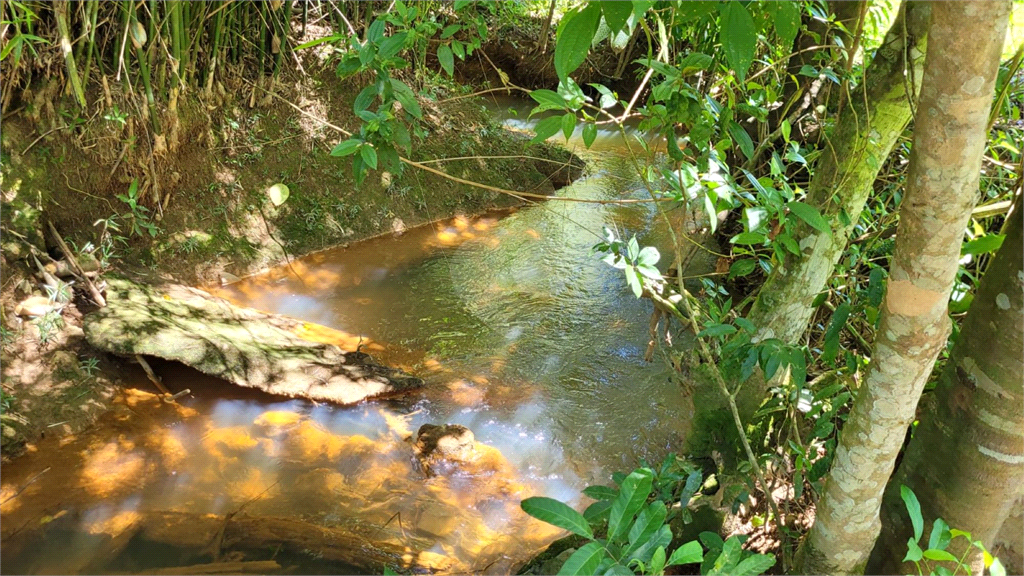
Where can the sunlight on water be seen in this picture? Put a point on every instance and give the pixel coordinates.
(522, 335)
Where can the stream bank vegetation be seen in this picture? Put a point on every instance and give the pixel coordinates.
(855, 364)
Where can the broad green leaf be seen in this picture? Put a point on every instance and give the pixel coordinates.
(633, 279)
(601, 492)
(742, 267)
(649, 256)
(376, 31)
(749, 238)
(584, 561)
(715, 330)
(365, 97)
(347, 147)
(835, 327)
(558, 514)
(730, 556)
(547, 100)
(914, 552)
(739, 37)
(568, 124)
(574, 36)
(608, 98)
(787, 21)
(689, 553)
(753, 565)
(446, 59)
(616, 13)
(369, 156)
(658, 560)
(983, 244)
(914, 509)
(633, 491)
(278, 194)
(547, 128)
(589, 134)
(618, 570)
(694, 62)
(597, 512)
(939, 556)
(392, 45)
(742, 139)
(648, 522)
(450, 31)
(940, 535)
(662, 538)
(404, 95)
(811, 215)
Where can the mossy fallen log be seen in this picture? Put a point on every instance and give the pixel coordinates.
(241, 345)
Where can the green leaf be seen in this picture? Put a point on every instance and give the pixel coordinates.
(597, 511)
(649, 256)
(450, 31)
(376, 31)
(404, 95)
(364, 98)
(730, 556)
(742, 267)
(278, 194)
(997, 569)
(787, 21)
(369, 156)
(742, 139)
(574, 36)
(446, 59)
(739, 37)
(558, 514)
(914, 509)
(647, 524)
(715, 330)
(811, 215)
(616, 13)
(568, 124)
(633, 491)
(347, 147)
(753, 565)
(661, 539)
(939, 556)
(589, 134)
(547, 100)
(835, 327)
(319, 41)
(547, 128)
(392, 45)
(618, 570)
(914, 552)
(584, 561)
(633, 279)
(689, 553)
(983, 244)
(749, 238)
(600, 492)
(940, 535)
(658, 560)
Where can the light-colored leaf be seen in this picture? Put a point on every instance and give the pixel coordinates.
(914, 509)
(583, 561)
(278, 194)
(689, 553)
(634, 489)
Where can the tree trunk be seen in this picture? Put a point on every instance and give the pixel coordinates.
(1009, 546)
(865, 134)
(942, 187)
(966, 461)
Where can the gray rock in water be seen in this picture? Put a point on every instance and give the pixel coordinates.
(270, 352)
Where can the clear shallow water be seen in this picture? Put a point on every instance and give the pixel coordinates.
(521, 334)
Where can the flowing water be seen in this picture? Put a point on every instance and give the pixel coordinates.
(521, 334)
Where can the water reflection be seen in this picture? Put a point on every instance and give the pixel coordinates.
(522, 335)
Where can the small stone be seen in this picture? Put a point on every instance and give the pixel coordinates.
(34, 306)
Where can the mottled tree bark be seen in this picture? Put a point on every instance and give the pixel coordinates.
(942, 187)
(966, 461)
(866, 132)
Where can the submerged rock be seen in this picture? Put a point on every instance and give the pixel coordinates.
(441, 447)
(241, 345)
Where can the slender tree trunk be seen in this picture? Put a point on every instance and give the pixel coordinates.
(542, 40)
(942, 188)
(843, 178)
(966, 461)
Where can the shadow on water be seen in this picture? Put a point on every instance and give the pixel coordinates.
(522, 335)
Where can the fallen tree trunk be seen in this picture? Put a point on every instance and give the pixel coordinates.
(241, 345)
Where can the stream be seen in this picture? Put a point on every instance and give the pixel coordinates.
(521, 333)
